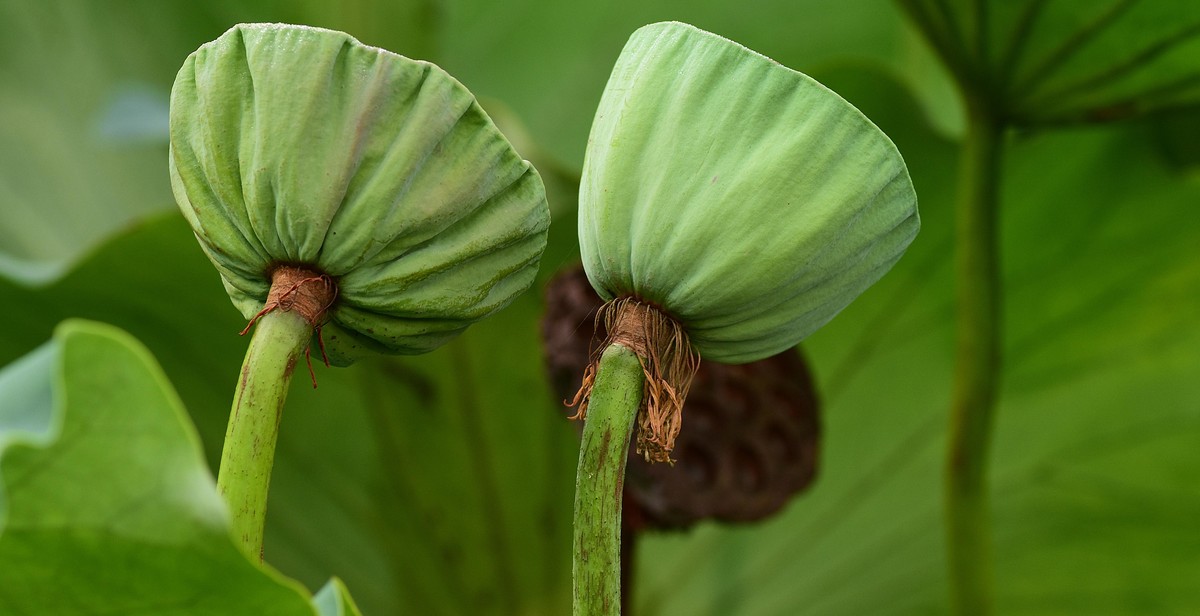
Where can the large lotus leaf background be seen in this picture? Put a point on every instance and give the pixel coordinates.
(442, 484)
(101, 466)
(1068, 62)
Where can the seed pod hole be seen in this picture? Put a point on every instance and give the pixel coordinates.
(748, 470)
(738, 401)
(699, 468)
(701, 418)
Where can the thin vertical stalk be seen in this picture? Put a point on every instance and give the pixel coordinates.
(977, 365)
(280, 339)
(611, 412)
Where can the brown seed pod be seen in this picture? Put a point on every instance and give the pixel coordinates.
(749, 442)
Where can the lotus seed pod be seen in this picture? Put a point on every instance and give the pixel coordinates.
(738, 196)
(297, 147)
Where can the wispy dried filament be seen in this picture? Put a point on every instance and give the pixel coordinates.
(668, 363)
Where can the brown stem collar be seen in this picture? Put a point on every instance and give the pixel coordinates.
(667, 360)
(305, 292)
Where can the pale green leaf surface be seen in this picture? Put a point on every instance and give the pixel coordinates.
(82, 130)
(334, 600)
(571, 43)
(108, 506)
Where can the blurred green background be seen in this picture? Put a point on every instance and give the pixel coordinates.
(442, 484)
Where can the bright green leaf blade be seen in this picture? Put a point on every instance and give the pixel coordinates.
(477, 464)
(1175, 133)
(1110, 59)
(108, 506)
(1048, 62)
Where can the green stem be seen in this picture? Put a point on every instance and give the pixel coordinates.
(611, 413)
(280, 339)
(977, 366)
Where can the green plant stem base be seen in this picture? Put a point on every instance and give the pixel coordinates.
(611, 413)
(977, 364)
(279, 340)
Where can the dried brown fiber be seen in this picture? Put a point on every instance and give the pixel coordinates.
(668, 363)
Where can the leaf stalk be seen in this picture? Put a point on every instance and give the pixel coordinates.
(977, 365)
(599, 482)
(280, 340)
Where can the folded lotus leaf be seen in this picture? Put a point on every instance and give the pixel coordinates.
(300, 146)
(745, 199)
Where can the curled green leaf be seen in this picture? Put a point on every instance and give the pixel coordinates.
(297, 146)
(106, 503)
(743, 198)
